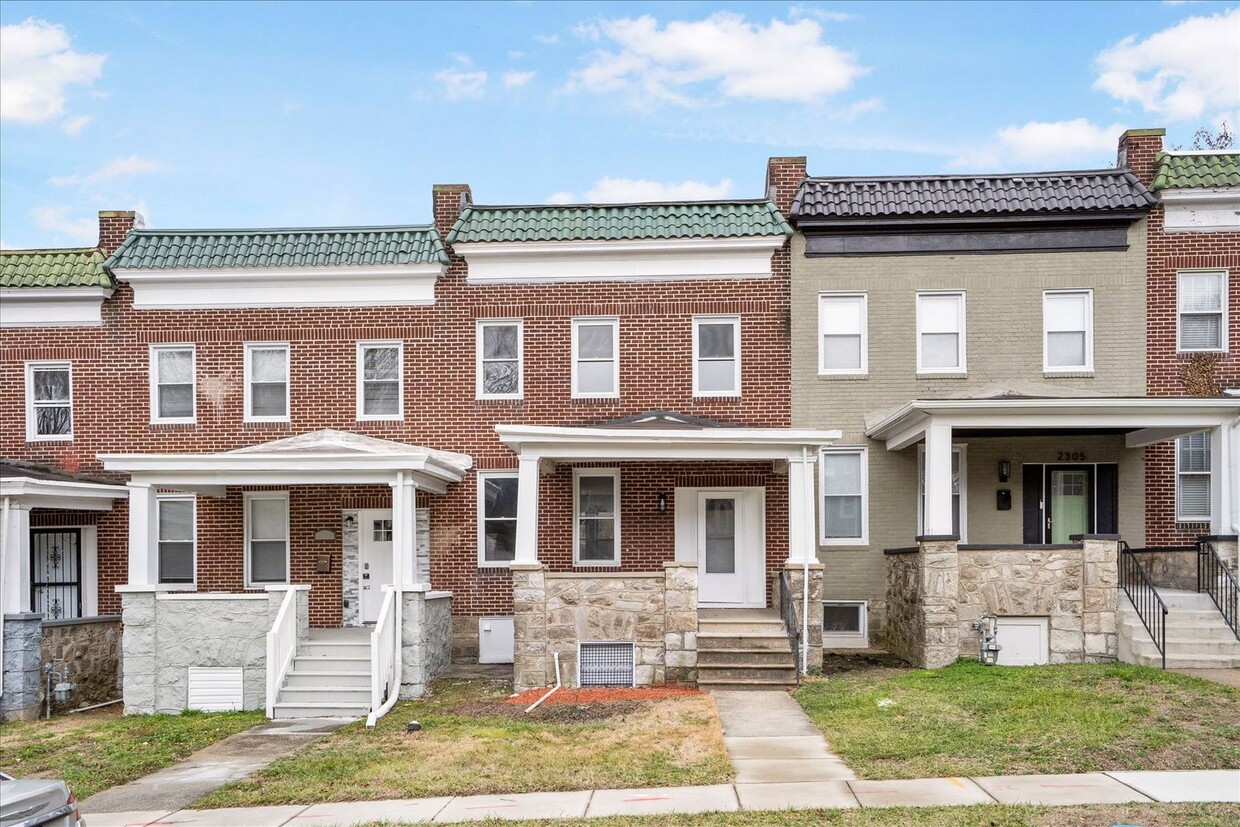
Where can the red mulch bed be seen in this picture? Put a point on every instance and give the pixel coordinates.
(602, 695)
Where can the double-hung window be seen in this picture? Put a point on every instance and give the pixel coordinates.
(845, 493)
(49, 401)
(497, 517)
(499, 367)
(940, 333)
(596, 358)
(172, 383)
(266, 537)
(380, 380)
(596, 517)
(842, 346)
(1192, 478)
(716, 356)
(1201, 300)
(266, 382)
(176, 539)
(1068, 330)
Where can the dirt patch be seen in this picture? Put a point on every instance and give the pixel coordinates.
(558, 713)
(873, 663)
(600, 695)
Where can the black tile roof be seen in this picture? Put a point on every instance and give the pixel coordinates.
(971, 196)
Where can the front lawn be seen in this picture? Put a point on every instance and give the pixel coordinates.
(472, 742)
(969, 719)
(93, 751)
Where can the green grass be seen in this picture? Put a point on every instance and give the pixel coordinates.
(473, 743)
(969, 719)
(93, 752)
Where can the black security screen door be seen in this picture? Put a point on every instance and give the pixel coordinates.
(56, 572)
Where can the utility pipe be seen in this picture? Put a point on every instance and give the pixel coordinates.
(5, 551)
(552, 690)
(96, 706)
(805, 552)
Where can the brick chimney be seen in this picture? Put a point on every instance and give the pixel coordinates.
(783, 176)
(1138, 151)
(114, 225)
(449, 200)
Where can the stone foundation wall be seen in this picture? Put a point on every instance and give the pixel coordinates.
(426, 640)
(656, 611)
(1170, 569)
(90, 648)
(21, 673)
(796, 585)
(904, 629)
(1228, 549)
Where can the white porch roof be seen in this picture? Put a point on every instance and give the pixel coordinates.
(325, 457)
(1143, 420)
(32, 487)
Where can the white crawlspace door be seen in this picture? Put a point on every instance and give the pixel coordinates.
(375, 535)
(722, 531)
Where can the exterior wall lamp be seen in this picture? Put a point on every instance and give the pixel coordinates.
(1005, 470)
(661, 500)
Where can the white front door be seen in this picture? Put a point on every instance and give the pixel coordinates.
(376, 558)
(721, 575)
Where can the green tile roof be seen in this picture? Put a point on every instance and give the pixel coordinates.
(608, 222)
(53, 268)
(1213, 169)
(310, 247)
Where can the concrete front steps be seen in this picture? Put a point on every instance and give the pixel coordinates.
(329, 678)
(744, 649)
(1197, 636)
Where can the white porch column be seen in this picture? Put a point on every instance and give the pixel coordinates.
(527, 510)
(802, 528)
(404, 530)
(1224, 510)
(143, 534)
(15, 559)
(938, 482)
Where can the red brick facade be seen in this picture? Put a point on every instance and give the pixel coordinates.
(1169, 373)
(111, 408)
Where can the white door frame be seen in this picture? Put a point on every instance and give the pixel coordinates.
(751, 531)
(364, 537)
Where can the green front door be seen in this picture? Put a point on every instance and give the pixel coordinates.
(1069, 500)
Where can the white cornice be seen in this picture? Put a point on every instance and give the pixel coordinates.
(52, 306)
(569, 443)
(1200, 194)
(74, 496)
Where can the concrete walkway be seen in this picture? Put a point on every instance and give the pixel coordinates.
(1053, 790)
(211, 767)
(771, 740)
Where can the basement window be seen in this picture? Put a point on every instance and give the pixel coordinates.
(843, 617)
(605, 664)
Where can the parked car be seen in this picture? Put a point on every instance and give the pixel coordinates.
(37, 803)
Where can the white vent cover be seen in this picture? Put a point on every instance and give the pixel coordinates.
(214, 689)
(604, 664)
(495, 640)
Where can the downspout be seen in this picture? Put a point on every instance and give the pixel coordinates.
(399, 638)
(809, 542)
(5, 551)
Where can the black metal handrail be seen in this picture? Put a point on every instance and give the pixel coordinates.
(1216, 580)
(792, 623)
(1136, 583)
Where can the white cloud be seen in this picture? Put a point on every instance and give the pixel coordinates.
(515, 55)
(611, 190)
(858, 108)
(1186, 72)
(547, 39)
(724, 54)
(515, 79)
(561, 198)
(119, 168)
(56, 219)
(462, 80)
(74, 126)
(37, 62)
(825, 15)
(1044, 144)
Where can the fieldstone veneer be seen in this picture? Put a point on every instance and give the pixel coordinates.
(656, 611)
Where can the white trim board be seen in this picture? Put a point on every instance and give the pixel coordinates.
(52, 306)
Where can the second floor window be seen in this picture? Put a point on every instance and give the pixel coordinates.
(940, 333)
(499, 359)
(1202, 310)
(266, 383)
(380, 380)
(1068, 327)
(176, 539)
(172, 383)
(1192, 478)
(49, 401)
(717, 356)
(596, 358)
(842, 328)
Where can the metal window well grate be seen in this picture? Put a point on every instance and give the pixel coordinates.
(605, 664)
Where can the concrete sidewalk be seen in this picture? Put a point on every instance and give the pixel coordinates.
(1055, 790)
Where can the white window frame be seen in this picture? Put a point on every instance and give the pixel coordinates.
(32, 421)
(247, 498)
(250, 347)
(1224, 288)
(957, 448)
(193, 501)
(483, 476)
(1088, 367)
(153, 374)
(478, 358)
(735, 321)
(614, 321)
(864, 300)
(961, 349)
(1209, 475)
(863, 607)
(362, 346)
(864, 539)
(578, 473)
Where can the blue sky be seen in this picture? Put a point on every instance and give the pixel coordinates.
(306, 114)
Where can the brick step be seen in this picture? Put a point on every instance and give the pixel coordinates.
(746, 655)
(745, 673)
(326, 677)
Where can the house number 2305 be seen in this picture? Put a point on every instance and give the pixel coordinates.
(1071, 456)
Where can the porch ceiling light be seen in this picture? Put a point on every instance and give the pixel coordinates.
(1005, 470)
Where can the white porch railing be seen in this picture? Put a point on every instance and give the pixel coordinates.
(384, 682)
(281, 648)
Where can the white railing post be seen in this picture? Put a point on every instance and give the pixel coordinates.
(281, 647)
(384, 682)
